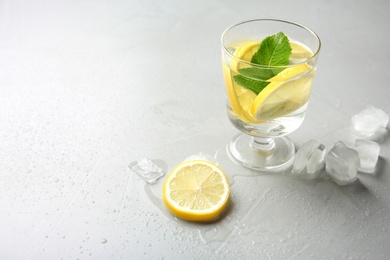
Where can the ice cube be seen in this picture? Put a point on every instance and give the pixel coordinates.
(147, 170)
(368, 152)
(342, 164)
(309, 160)
(369, 121)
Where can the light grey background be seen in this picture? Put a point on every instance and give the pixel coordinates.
(86, 87)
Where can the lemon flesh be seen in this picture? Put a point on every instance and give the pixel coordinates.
(196, 191)
(287, 91)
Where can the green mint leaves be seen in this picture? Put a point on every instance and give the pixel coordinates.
(274, 50)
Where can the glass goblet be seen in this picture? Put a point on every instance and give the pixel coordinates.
(267, 101)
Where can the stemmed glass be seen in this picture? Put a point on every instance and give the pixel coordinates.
(265, 117)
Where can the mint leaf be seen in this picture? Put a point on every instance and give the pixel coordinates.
(255, 85)
(257, 73)
(274, 50)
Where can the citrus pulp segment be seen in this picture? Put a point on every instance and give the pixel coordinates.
(196, 190)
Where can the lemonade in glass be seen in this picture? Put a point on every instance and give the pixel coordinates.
(268, 67)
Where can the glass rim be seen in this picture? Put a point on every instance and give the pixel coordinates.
(315, 54)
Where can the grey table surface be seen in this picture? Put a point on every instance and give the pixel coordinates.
(86, 87)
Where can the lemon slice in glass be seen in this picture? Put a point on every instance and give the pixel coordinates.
(283, 95)
(196, 190)
(240, 98)
(246, 50)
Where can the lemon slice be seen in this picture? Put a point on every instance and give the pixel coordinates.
(281, 97)
(240, 98)
(299, 51)
(196, 190)
(246, 50)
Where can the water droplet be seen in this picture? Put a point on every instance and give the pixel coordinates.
(55, 179)
(103, 241)
(282, 239)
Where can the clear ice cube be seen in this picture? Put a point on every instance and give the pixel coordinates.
(368, 152)
(342, 164)
(147, 170)
(309, 160)
(369, 121)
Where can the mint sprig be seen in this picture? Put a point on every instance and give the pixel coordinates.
(273, 51)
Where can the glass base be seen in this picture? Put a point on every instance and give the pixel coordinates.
(262, 154)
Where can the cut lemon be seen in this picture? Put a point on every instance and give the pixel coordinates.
(299, 51)
(246, 50)
(196, 190)
(283, 95)
(240, 98)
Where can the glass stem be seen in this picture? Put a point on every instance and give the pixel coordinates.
(262, 144)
